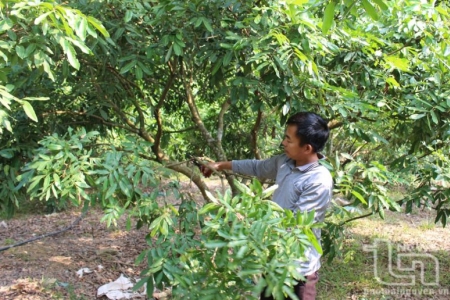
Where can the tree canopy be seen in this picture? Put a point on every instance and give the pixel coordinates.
(98, 98)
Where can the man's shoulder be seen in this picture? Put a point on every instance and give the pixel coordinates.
(321, 175)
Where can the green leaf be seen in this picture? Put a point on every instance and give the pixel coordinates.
(217, 66)
(99, 26)
(81, 29)
(328, 17)
(269, 191)
(6, 24)
(207, 208)
(381, 4)
(416, 116)
(207, 24)
(127, 67)
(111, 191)
(381, 212)
(30, 49)
(177, 49)
(46, 182)
(125, 187)
(20, 50)
(71, 53)
(233, 244)
(41, 18)
(34, 183)
(215, 244)
(80, 45)
(359, 196)
(434, 117)
(128, 16)
(227, 58)
(211, 197)
(54, 147)
(29, 110)
(312, 238)
(138, 72)
(56, 181)
(150, 287)
(371, 11)
(168, 54)
(7, 153)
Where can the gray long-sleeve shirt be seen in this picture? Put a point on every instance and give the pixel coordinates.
(303, 188)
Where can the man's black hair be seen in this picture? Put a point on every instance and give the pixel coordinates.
(311, 129)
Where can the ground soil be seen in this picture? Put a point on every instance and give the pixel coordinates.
(47, 268)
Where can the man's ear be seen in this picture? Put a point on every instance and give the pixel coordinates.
(309, 148)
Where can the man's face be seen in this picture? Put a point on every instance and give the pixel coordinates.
(291, 144)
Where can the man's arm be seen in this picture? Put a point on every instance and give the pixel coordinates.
(266, 168)
(216, 166)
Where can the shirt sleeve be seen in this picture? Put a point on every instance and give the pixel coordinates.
(266, 169)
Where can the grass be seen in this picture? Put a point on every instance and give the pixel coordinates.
(427, 225)
(356, 275)
(9, 241)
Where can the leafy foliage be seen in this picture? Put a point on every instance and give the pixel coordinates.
(232, 246)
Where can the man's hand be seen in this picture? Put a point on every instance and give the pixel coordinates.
(209, 169)
(213, 167)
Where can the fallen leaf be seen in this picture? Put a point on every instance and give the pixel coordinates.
(82, 271)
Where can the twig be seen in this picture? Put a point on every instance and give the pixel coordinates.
(77, 220)
(358, 217)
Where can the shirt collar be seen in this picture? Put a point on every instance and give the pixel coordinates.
(307, 167)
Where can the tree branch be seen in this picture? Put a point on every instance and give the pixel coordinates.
(84, 114)
(254, 134)
(157, 113)
(187, 81)
(215, 146)
(225, 106)
(356, 218)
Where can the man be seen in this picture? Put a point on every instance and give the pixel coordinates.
(303, 183)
